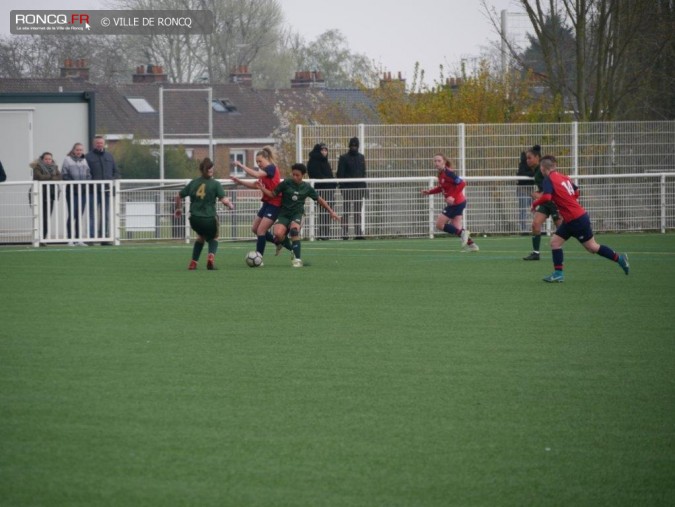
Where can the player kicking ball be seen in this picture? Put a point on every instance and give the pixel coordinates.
(560, 189)
(203, 192)
(294, 192)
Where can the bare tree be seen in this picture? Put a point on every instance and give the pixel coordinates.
(600, 74)
(41, 56)
(329, 53)
(27, 56)
(274, 67)
(242, 30)
(179, 54)
(653, 58)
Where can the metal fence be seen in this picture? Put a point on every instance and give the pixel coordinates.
(494, 149)
(142, 210)
(57, 212)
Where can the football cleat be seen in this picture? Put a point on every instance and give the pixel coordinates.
(555, 277)
(534, 256)
(193, 265)
(296, 263)
(473, 247)
(464, 236)
(623, 262)
(210, 261)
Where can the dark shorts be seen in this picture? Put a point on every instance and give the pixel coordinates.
(549, 209)
(207, 227)
(579, 228)
(286, 220)
(268, 210)
(454, 210)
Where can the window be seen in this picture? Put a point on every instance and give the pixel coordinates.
(218, 106)
(140, 105)
(240, 156)
(224, 106)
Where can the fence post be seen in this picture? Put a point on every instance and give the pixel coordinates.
(298, 143)
(663, 203)
(312, 218)
(115, 219)
(35, 207)
(431, 210)
(575, 151)
(462, 162)
(462, 149)
(187, 222)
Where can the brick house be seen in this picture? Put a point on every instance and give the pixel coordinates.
(243, 117)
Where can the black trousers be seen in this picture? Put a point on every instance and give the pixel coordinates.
(352, 205)
(322, 216)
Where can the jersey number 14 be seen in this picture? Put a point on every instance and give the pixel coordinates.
(568, 186)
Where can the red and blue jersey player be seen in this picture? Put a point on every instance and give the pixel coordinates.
(452, 187)
(565, 194)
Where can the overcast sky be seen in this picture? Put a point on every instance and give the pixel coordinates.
(394, 34)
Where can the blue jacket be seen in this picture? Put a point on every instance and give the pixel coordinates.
(102, 165)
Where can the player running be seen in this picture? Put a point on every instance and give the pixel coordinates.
(204, 192)
(294, 192)
(544, 211)
(452, 186)
(559, 188)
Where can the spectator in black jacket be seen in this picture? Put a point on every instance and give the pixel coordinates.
(319, 168)
(103, 167)
(3, 175)
(352, 165)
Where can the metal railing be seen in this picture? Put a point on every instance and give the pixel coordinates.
(143, 210)
(581, 148)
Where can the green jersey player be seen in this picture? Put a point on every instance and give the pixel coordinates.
(294, 193)
(203, 192)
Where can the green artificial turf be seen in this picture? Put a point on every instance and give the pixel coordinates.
(383, 373)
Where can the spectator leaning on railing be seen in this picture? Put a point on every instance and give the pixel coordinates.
(318, 168)
(44, 169)
(103, 167)
(352, 165)
(75, 168)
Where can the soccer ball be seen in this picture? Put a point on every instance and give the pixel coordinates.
(254, 259)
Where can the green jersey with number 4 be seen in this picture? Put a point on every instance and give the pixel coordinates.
(204, 193)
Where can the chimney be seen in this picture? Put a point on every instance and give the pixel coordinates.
(241, 76)
(453, 82)
(75, 69)
(149, 74)
(306, 79)
(387, 80)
